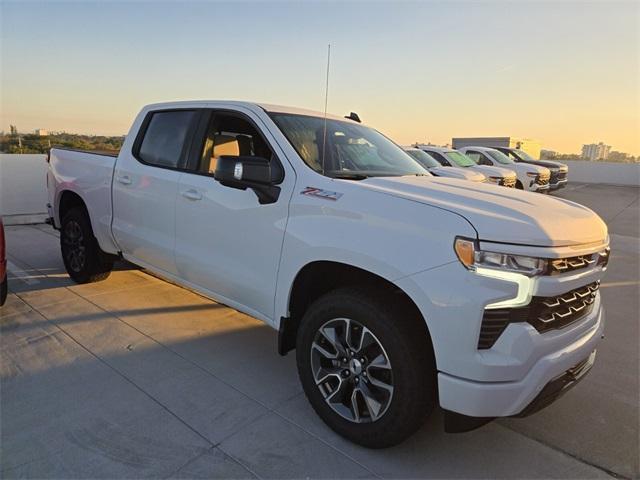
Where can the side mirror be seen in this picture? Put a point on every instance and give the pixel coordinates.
(247, 172)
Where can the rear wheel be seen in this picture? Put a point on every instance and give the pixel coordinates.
(519, 185)
(83, 259)
(366, 366)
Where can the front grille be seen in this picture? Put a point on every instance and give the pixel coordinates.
(543, 313)
(569, 264)
(508, 182)
(564, 265)
(557, 176)
(552, 313)
(542, 180)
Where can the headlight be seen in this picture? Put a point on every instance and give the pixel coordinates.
(532, 174)
(472, 258)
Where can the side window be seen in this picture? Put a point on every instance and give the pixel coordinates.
(165, 137)
(440, 158)
(477, 157)
(229, 134)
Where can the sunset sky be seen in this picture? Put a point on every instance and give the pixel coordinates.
(564, 73)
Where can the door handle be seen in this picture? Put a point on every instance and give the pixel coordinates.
(192, 194)
(124, 179)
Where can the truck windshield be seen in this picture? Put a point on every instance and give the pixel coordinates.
(350, 150)
(523, 155)
(500, 157)
(460, 159)
(423, 158)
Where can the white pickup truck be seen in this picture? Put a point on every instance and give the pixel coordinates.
(398, 290)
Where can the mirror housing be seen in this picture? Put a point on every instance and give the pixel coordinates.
(244, 172)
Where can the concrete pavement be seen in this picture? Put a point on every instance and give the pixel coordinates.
(135, 377)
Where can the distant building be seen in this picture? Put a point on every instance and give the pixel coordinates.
(548, 154)
(596, 151)
(532, 147)
(42, 132)
(14, 129)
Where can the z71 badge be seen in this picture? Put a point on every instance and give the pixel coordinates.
(320, 193)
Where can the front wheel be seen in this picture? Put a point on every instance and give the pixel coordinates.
(83, 259)
(366, 366)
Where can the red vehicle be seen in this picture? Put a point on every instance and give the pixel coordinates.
(3, 266)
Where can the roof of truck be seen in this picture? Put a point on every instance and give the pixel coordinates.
(479, 149)
(265, 106)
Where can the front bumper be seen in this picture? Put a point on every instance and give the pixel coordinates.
(502, 399)
(559, 386)
(536, 187)
(506, 377)
(558, 185)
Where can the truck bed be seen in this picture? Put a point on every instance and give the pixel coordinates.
(88, 174)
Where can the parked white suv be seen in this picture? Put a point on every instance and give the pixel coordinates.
(448, 157)
(430, 163)
(397, 289)
(530, 177)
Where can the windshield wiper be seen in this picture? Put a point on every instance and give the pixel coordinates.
(349, 176)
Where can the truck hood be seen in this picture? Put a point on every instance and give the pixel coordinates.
(489, 171)
(524, 168)
(461, 173)
(501, 214)
(549, 164)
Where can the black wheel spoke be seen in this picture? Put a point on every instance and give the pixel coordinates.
(73, 248)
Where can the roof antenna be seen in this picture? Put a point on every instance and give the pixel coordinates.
(326, 99)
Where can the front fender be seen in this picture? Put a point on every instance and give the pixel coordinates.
(388, 236)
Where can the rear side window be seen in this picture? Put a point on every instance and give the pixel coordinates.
(440, 158)
(165, 137)
(475, 156)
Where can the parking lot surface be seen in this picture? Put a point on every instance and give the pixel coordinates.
(136, 377)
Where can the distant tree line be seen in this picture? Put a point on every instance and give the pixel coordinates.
(31, 143)
(614, 156)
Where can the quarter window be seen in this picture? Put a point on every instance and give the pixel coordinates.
(165, 137)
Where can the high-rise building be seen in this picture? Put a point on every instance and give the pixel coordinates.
(596, 151)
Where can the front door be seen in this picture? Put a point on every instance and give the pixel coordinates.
(227, 243)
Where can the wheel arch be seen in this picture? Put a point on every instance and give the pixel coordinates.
(319, 277)
(67, 200)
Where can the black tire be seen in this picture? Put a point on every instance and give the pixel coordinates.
(83, 259)
(406, 343)
(519, 185)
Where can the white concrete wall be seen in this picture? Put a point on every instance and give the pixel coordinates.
(23, 188)
(609, 173)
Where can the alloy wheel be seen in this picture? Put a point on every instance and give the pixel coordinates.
(74, 248)
(352, 370)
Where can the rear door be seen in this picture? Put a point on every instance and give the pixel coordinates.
(227, 243)
(145, 184)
